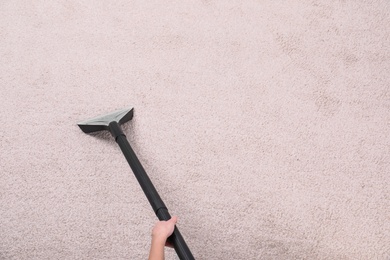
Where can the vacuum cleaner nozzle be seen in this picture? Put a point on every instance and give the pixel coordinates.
(102, 122)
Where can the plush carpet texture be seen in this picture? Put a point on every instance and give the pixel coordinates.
(264, 125)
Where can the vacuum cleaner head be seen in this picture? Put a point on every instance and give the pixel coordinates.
(102, 122)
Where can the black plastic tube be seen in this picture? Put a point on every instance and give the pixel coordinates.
(150, 191)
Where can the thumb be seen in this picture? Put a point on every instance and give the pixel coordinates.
(173, 219)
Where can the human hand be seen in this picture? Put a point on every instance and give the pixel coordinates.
(160, 232)
(163, 229)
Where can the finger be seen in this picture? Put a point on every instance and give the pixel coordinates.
(168, 244)
(173, 219)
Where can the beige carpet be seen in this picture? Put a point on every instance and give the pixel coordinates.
(264, 125)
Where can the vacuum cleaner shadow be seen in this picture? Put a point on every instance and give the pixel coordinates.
(112, 122)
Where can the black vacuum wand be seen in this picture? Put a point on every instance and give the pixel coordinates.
(112, 122)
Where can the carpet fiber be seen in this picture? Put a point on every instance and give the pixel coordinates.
(264, 125)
